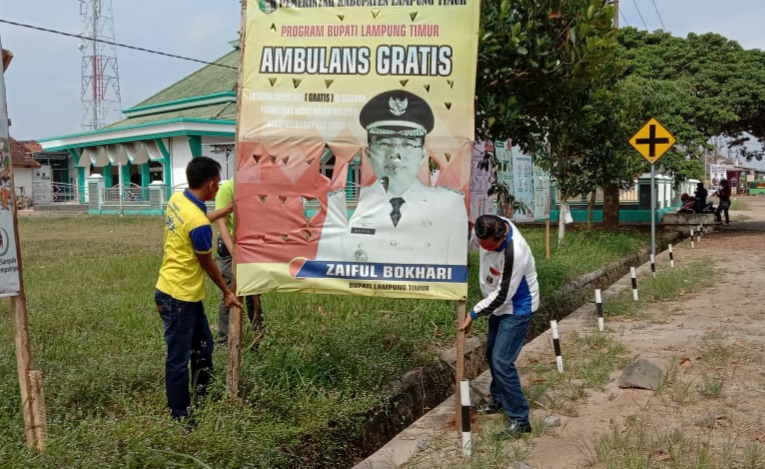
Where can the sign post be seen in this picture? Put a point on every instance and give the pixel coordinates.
(12, 285)
(652, 141)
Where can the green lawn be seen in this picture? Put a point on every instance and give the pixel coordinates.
(324, 362)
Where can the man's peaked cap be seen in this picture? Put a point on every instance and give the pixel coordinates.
(397, 113)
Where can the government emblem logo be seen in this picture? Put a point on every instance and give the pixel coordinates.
(398, 106)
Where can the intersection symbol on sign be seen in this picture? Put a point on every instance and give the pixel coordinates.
(652, 140)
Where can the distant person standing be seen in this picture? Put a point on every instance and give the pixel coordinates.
(225, 198)
(723, 194)
(508, 280)
(181, 288)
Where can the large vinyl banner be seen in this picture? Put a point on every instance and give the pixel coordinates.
(354, 147)
(523, 183)
(528, 184)
(481, 202)
(717, 174)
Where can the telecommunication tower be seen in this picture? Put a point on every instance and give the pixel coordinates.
(100, 91)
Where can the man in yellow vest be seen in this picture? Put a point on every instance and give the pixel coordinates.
(188, 243)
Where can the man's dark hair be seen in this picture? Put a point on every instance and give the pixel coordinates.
(200, 170)
(490, 226)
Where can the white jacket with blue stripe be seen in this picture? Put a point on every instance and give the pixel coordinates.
(505, 291)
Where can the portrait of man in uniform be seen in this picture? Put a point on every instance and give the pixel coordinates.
(398, 219)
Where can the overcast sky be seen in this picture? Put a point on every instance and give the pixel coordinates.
(43, 83)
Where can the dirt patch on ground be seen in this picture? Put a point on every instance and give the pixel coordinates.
(709, 345)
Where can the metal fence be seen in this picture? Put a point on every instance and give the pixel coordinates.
(46, 192)
(131, 193)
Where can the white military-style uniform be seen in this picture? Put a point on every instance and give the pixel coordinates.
(432, 229)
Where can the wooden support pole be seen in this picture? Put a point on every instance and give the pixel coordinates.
(460, 364)
(234, 365)
(30, 382)
(39, 411)
(29, 390)
(23, 364)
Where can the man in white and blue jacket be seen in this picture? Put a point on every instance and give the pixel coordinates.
(508, 279)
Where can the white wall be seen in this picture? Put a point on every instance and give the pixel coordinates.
(180, 155)
(73, 171)
(227, 170)
(22, 177)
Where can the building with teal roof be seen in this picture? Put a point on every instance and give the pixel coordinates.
(151, 147)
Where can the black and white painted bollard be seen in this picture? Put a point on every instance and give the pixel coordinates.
(467, 436)
(556, 344)
(633, 275)
(698, 234)
(653, 266)
(671, 257)
(599, 309)
(692, 245)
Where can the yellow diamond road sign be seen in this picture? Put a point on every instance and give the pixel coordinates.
(652, 141)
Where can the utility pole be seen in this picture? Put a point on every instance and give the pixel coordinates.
(616, 14)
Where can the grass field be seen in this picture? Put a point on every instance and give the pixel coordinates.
(324, 363)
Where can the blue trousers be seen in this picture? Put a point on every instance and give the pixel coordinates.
(189, 339)
(507, 335)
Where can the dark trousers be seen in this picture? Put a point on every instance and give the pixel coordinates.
(256, 320)
(189, 339)
(507, 334)
(725, 209)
